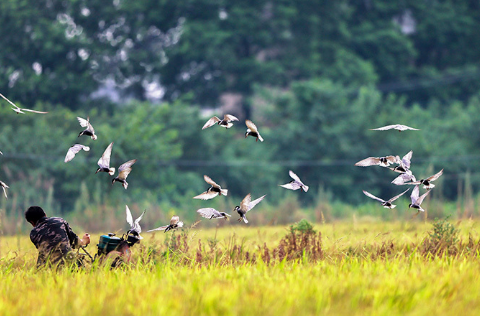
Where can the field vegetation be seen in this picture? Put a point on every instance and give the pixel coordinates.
(341, 268)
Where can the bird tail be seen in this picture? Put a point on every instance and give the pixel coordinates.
(429, 187)
(260, 137)
(305, 188)
(224, 192)
(245, 219)
(125, 185)
(111, 171)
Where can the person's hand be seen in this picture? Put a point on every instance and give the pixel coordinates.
(85, 240)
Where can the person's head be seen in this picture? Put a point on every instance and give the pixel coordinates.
(34, 214)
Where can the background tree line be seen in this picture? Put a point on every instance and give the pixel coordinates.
(315, 76)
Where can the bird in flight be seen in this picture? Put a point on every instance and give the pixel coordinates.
(246, 205)
(427, 183)
(104, 161)
(398, 127)
(416, 200)
(252, 131)
(226, 122)
(213, 191)
(174, 224)
(72, 151)
(89, 131)
(20, 110)
(377, 161)
(4, 187)
(123, 172)
(295, 184)
(386, 204)
(135, 228)
(212, 213)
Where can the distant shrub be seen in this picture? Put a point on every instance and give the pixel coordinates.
(443, 238)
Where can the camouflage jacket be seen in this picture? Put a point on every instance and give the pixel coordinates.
(54, 239)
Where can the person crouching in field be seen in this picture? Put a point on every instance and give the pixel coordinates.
(53, 237)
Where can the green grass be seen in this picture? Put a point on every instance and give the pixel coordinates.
(366, 269)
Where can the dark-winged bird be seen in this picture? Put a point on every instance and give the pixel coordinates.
(427, 183)
(226, 122)
(89, 131)
(386, 204)
(123, 172)
(174, 223)
(377, 161)
(246, 205)
(212, 213)
(295, 184)
(72, 151)
(104, 161)
(211, 192)
(252, 130)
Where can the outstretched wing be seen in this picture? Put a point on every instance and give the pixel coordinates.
(104, 161)
(129, 216)
(158, 228)
(370, 195)
(208, 212)
(294, 176)
(397, 196)
(86, 123)
(230, 118)
(421, 198)
(211, 122)
(435, 176)
(370, 161)
(414, 195)
(33, 111)
(407, 158)
(136, 224)
(255, 202)
(251, 126)
(291, 185)
(207, 195)
(246, 202)
(125, 169)
(210, 181)
(72, 151)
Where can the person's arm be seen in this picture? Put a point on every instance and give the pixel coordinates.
(73, 238)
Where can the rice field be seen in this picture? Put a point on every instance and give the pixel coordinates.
(344, 268)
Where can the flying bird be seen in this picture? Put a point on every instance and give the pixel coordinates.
(212, 213)
(416, 200)
(226, 122)
(123, 172)
(252, 131)
(295, 184)
(104, 161)
(89, 131)
(404, 178)
(377, 161)
(135, 228)
(72, 151)
(398, 127)
(213, 191)
(427, 183)
(20, 110)
(386, 204)
(246, 205)
(4, 187)
(404, 163)
(174, 224)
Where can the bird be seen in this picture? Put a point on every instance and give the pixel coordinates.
(123, 172)
(386, 204)
(226, 122)
(377, 161)
(212, 213)
(135, 228)
(174, 224)
(246, 205)
(404, 178)
(398, 127)
(104, 161)
(295, 184)
(427, 183)
(404, 163)
(213, 191)
(89, 131)
(20, 110)
(72, 151)
(252, 131)
(4, 187)
(416, 200)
